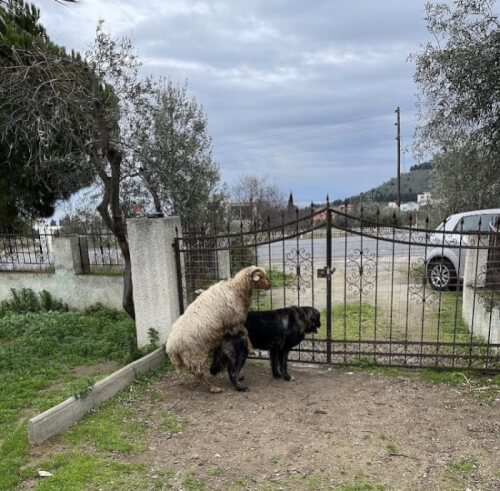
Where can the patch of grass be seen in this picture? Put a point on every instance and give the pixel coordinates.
(391, 448)
(112, 428)
(274, 460)
(216, 472)
(238, 485)
(171, 423)
(38, 352)
(13, 453)
(75, 471)
(280, 279)
(463, 466)
(350, 321)
(192, 483)
(363, 486)
(261, 301)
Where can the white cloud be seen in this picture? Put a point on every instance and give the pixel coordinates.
(262, 68)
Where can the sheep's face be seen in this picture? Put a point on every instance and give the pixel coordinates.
(260, 279)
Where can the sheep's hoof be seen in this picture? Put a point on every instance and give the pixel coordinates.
(215, 390)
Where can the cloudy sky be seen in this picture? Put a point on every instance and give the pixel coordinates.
(302, 93)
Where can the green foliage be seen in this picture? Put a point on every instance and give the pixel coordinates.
(280, 279)
(25, 193)
(111, 429)
(26, 300)
(39, 349)
(74, 471)
(192, 483)
(171, 423)
(13, 452)
(415, 182)
(457, 76)
(463, 467)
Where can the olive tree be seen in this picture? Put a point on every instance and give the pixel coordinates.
(88, 117)
(457, 76)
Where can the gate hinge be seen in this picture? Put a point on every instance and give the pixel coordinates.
(325, 272)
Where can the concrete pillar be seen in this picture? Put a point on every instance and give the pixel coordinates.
(154, 275)
(67, 258)
(224, 264)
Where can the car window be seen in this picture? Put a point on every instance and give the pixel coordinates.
(470, 224)
(485, 222)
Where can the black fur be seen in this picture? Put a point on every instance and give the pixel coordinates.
(277, 331)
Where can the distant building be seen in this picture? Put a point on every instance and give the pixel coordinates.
(410, 206)
(424, 199)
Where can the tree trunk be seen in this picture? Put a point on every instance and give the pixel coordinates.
(116, 222)
(128, 299)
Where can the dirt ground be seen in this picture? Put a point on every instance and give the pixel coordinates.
(330, 428)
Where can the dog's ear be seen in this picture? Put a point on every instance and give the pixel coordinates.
(302, 317)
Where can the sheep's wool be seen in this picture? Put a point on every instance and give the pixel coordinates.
(217, 311)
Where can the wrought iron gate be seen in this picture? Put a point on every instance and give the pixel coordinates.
(377, 286)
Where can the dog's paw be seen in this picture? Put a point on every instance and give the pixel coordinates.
(276, 375)
(215, 390)
(288, 378)
(241, 378)
(243, 388)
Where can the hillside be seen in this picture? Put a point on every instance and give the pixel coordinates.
(414, 182)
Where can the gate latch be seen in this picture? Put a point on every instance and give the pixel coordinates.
(325, 272)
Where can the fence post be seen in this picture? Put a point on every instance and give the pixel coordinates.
(224, 264)
(154, 275)
(67, 258)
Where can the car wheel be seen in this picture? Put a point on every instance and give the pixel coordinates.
(441, 274)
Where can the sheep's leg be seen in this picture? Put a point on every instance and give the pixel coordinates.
(200, 378)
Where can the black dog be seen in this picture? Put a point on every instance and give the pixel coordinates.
(275, 330)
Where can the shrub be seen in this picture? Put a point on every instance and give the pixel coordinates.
(26, 300)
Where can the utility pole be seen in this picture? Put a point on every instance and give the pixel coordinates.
(398, 139)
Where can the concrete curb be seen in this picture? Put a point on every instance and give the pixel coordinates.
(62, 416)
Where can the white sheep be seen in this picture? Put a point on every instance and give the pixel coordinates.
(220, 310)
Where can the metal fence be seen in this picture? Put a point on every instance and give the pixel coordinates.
(27, 250)
(31, 249)
(396, 296)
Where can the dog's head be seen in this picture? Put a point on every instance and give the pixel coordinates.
(313, 319)
(257, 277)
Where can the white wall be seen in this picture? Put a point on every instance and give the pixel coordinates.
(77, 290)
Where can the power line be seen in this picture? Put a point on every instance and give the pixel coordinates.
(265, 144)
(297, 130)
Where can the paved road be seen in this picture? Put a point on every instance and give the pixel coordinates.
(340, 247)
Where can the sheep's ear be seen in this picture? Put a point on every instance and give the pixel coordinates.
(256, 277)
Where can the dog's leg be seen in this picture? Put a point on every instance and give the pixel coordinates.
(273, 352)
(242, 330)
(218, 362)
(283, 360)
(233, 376)
(200, 378)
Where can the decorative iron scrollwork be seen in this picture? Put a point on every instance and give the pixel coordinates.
(299, 262)
(420, 292)
(360, 271)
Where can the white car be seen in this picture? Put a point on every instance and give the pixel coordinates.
(445, 265)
